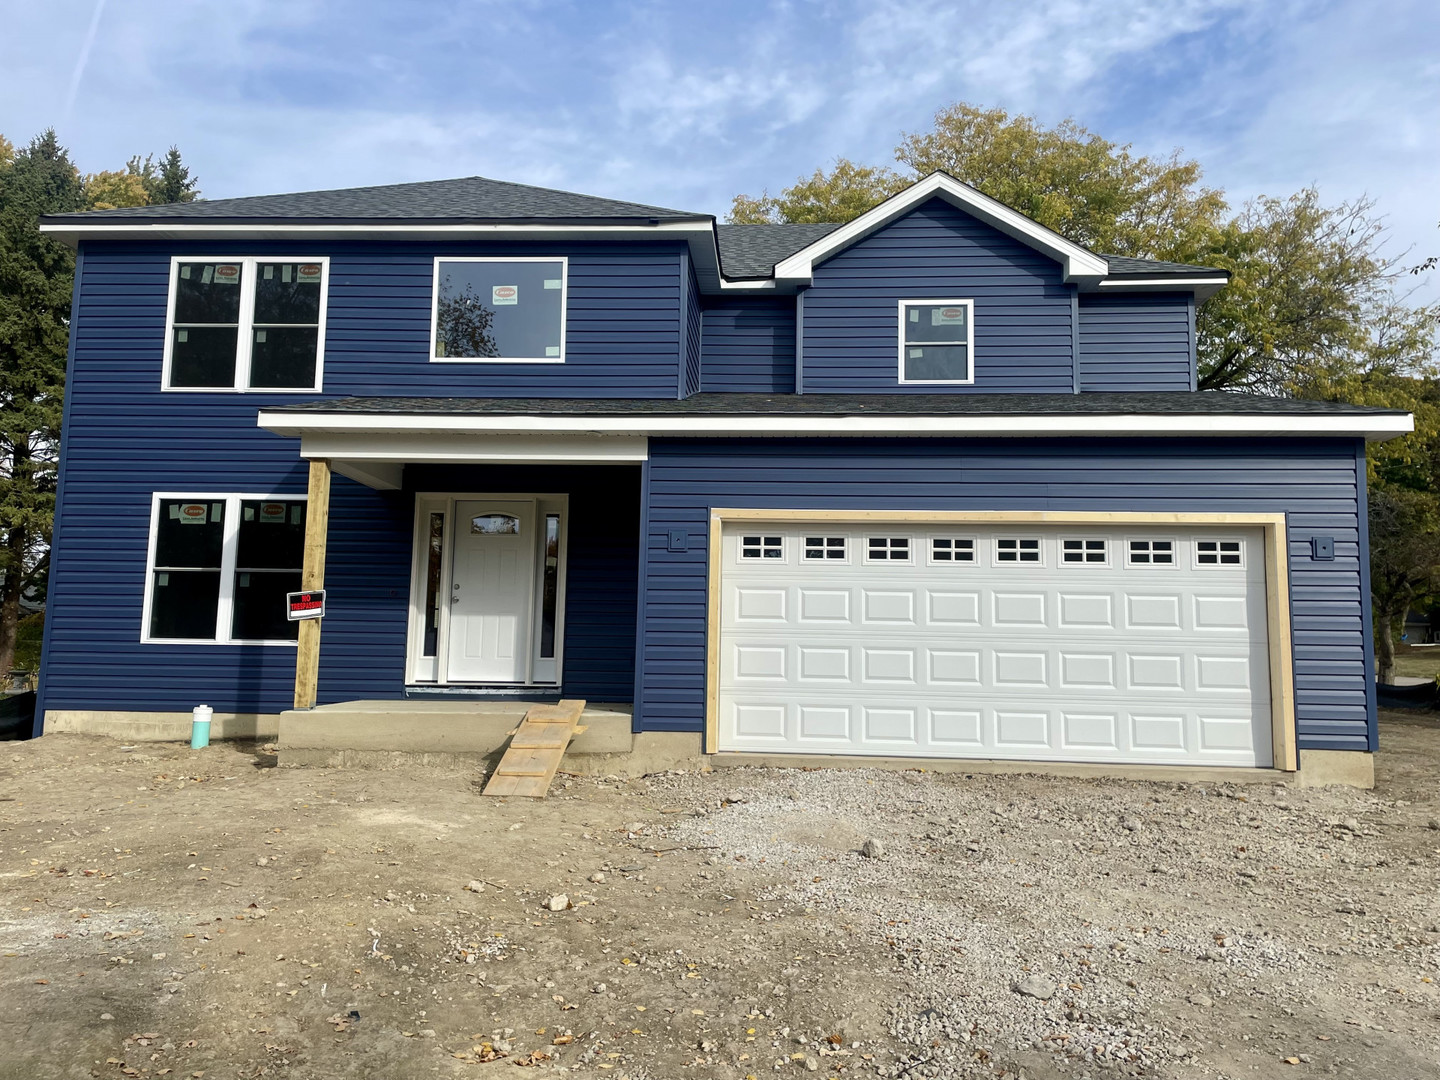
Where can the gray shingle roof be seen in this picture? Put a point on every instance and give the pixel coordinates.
(1174, 403)
(471, 199)
(1124, 266)
(751, 251)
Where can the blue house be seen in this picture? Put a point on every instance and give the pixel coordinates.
(933, 484)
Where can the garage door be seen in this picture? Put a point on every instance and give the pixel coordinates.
(1052, 643)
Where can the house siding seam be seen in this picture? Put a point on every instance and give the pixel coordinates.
(1023, 326)
(623, 323)
(748, 346)
(1313, 482)
(1139, 341)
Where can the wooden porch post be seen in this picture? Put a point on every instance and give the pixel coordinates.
(312, 576)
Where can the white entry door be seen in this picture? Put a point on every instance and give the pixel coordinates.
(1061, 643)
(491, 591)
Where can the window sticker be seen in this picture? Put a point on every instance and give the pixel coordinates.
(916, 354)
(306, 272)
(189, 513)
(185, 272)
(260, 337)
(947, 316)
(206, 275)
(552, 350)
(227, 274)
(182, 335)
(504, 294)
(270, 273)
(915, 314)
(272, 511)
(552, 283)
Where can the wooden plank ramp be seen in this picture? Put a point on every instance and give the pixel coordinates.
(535, 750)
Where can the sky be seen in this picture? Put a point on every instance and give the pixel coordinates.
(685, 104)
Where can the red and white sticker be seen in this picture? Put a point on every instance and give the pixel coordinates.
(947, 316)
(227, 274)
(504, 294)
(192, 513)
(272, 511)
(308, 272)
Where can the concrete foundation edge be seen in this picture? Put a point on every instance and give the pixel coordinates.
(159, 726)
(1336, 768)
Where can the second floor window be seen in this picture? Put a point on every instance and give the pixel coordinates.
(499, 310)
(245, 324)
(936, 341)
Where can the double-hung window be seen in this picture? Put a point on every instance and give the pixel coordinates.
(245, 324)
(936, 341)
(220, 566)
(499, 310)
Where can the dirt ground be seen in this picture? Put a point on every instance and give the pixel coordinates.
(169, 912)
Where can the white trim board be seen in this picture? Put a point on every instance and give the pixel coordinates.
(1376, 428)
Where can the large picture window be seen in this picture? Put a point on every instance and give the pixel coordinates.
(499, 310)
(245, 324)
(936, 341)
(220, 566)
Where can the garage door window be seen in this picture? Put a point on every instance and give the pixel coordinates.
(1218, 553)
(887, 549)
(823, 548)
(1150, 553)
(762, 547)
(1084, 552)
(1010, 549)
(952, 549)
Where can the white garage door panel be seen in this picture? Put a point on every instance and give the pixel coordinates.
(1111, 662)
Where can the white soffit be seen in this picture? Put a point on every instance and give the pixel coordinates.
(1080, 264)
(555, 429)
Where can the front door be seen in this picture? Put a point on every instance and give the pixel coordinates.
(491, 591)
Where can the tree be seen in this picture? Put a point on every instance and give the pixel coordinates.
(142, 183)
(36, 275)
(1404, 561)
(846, 192)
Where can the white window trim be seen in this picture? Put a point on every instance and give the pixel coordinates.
(1105, 563)
(969, 306)
(1173, 564)
(741, 557)
(844, 559)
(245, 330)
(996, 561)
(974, 559)
(563, 260)
(910, 560)
(225, 610)
(1217, 565)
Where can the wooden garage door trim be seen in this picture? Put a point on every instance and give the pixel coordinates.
(1277, 591)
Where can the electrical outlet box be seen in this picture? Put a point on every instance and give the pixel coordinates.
(679, 540)
(1322, 548)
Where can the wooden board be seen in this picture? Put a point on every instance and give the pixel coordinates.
(535, 750)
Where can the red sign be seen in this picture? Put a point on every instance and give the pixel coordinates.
(305, 605)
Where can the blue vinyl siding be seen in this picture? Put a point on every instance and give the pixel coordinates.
(623, 328)
(1139, 341)
(749, 345)
(1023, 320)
(1315, 482)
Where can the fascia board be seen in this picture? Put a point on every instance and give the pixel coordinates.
(1373, 427)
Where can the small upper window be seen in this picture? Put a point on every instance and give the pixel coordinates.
(510, 310)
(1151, 553)
(1084, 551)
(1017, 549)
(1217, 552)
(935, 341)
(762, 547)
(245, 324)
(825, 547)
(495, 525)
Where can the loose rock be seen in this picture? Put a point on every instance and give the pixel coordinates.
(872, 848)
